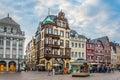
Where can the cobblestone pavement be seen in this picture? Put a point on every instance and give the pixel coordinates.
(32, 75)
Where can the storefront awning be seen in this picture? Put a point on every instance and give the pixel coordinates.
(41, 65)
(56, 64)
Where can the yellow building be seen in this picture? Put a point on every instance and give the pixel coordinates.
(33, 55)
(78, 46)
(55, 40)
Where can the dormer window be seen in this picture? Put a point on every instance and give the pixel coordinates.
(5, 29)
(1, 29)
(58, 24)
(76, 36)
(9, 30)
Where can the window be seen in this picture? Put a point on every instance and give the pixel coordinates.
(47, 41)
(55, 42)
(14, 31)
(14, 51)
(48, 51)
(1, 40)
(20, 43)
(67, 34)
(48, 30)
(75, 44)
(58, 24)
(75, 54)
(61, 42)
(1, 50)
(9, 30)
(83, 54)
(82, 45)
(20, 51)
(72, 44)
(55, 52)
(1, 29)
(79, 54)
(79, 45)
(8, 41)
(64, 24)
(14, 43)
(7, 51)
(61, 52)
(62, 33)
(67, 44)
(5, 29)
(55, 32)
(72, 54)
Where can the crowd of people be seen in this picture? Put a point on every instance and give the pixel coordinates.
(102, 68)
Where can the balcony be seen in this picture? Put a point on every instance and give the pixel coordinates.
(90, 54)
(55, 46)
(48, 45)
(48, 35)
(56, 37)
(49, 56)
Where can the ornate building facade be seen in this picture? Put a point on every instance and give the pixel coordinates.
(28, 55)
(113, 53)
(101, 50)
(55, 41)
(90, 48)
(11, 44)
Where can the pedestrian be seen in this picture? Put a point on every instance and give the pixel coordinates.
(119, 68)
(49, 73)
(53, 71)
(112, 68)
(90, 69)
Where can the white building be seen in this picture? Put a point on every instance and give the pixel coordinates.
(113, 53)
(11, 44)
(77, 45)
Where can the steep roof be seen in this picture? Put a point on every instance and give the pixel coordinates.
(113, 45)
(73, 33)
(8, 20)
(102, 39)
(49, 19)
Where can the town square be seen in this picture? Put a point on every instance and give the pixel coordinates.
(44, 76)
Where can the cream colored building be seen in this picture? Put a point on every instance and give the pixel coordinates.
(55, 41)
(113, 53)
(77, 45)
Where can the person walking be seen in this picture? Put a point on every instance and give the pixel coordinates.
(112, 68)
(53, 71)
(119, 68)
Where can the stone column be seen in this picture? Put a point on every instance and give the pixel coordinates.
(11, 47)
(23, 49)
(17, 55)
(4, 47)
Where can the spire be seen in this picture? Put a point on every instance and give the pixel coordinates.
(48, 11)
(8, 15)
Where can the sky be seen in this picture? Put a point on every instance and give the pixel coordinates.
(92, 18)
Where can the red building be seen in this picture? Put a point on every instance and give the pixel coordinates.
(98, 50)
(90, 47)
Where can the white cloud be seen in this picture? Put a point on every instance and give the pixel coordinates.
(92, 18)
